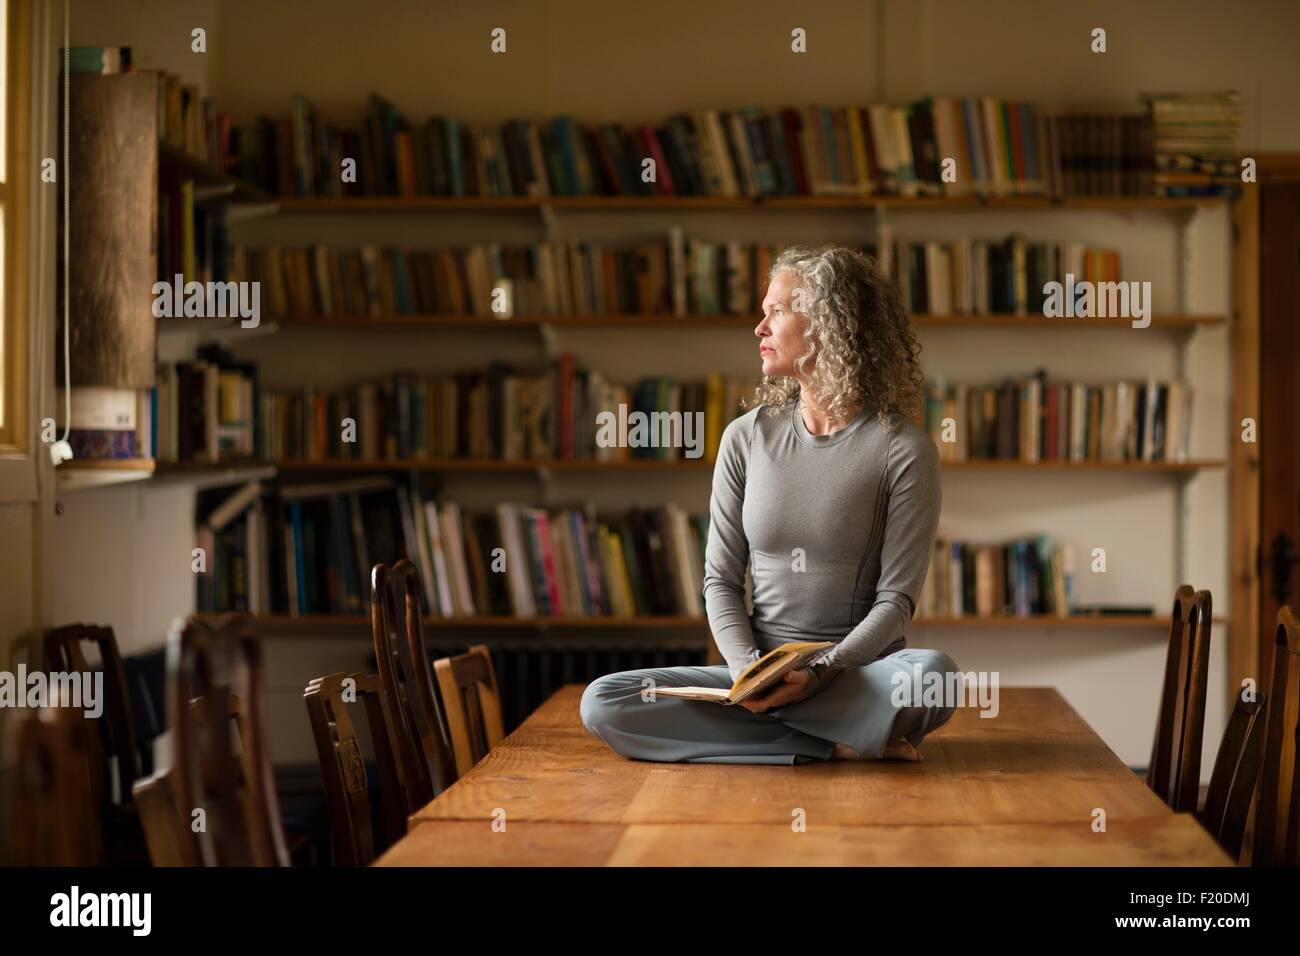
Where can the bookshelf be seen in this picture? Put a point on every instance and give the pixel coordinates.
(434, 204)
(1177, 323)
(288, 623)
(653, 465)
(272, 623)
(1180, 325)
(1178, 328)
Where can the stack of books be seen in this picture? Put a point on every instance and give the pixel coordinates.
(1034, 420)
(1196, 143)
(309, 550)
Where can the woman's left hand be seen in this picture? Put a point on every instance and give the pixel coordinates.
(794, 688)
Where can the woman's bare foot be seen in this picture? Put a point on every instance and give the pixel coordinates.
(899, 749)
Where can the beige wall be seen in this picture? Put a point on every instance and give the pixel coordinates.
(629, 62)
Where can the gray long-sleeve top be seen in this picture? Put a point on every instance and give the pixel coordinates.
(839, 529)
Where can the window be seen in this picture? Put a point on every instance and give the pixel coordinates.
(13, 253)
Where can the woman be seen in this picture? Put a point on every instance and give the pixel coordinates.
(832, 494)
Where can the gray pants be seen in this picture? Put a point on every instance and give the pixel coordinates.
(857, 709)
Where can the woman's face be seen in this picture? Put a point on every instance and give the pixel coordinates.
(780, 334)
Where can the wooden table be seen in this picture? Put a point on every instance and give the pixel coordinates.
(1017, 789)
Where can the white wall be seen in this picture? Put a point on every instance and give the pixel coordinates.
(599, 61)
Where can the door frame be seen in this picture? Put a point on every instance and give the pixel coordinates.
(1250, 631)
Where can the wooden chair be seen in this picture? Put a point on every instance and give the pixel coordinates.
(469, 689)
(344, 768)
(169, 836)
(1277, 806)
(1235, 774)
(56, 817)
(1175, 769)
(65, 651)
(221, 664)
(421, 741)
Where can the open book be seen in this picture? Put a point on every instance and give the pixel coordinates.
(757, 678)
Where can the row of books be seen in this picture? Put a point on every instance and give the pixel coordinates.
(1020, 578)
(1196, 142)
(309, 549)
(1101, 154)
(1000, 147)
(1033, 420)
(205, 410)
(683, 276)
(982, 277)
(501, 413)
(193, 237)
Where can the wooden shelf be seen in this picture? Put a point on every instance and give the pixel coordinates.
(82, 473)
(289, 622)
(1076, 621)
(429, 204)
(392, 321)
(529, 321)
(650, 464)
(226, 472)
(213, 183)
(1017, 465)
(1000, 320)
(488, 464)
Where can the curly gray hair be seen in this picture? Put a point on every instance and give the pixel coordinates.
(861, 349)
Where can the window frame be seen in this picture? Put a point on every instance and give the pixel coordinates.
(15, 431)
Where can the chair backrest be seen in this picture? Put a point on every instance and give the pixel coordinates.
(1277, 807)
(169, 836)
(343, 765)
(220, 664)
(469, 689)
(1236, 773)
(406, 680)
(1175, 769)
(55, 816)
(65, 650)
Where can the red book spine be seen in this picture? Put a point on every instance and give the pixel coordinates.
(652, 148)
(548, 562)
(1051, 409)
